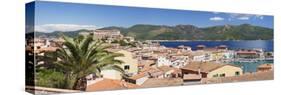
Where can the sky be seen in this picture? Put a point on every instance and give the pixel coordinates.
(52, 16)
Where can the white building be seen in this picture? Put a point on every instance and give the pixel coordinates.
(112, 34)
(179, 61)
(200, 56)
(163, 61)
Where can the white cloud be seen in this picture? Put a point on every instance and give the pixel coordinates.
(245, 16)
(216, 18)
(63, 27)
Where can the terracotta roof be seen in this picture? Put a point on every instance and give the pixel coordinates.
(158, 82)
(146, 63)
(151, 71)
(266, 66)
(191, 77)
(246, 52)
(203, 66)
(269, 75)
(138, 76)
(165, 68)
(110, 84)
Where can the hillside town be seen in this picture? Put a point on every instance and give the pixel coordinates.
(149, 64)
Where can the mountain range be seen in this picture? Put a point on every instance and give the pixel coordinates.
(185, 32)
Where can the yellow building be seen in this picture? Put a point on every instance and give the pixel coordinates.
(130, 66)
(111, 74)
(225, 71)
(211, 70)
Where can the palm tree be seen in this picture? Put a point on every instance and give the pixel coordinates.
(82, 56)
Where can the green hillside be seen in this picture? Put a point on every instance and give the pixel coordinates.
(186, 32)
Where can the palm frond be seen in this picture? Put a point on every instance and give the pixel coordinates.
(82, 56)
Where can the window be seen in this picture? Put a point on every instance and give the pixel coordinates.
(216, 75)
(237, 73)
(222, 75)
(126, 67)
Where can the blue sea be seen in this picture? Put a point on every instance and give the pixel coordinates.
(266, 45)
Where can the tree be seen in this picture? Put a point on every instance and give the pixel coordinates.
(82, 56)
(50, 78)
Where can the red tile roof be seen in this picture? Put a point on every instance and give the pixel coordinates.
(203, 66)
(246, 52)
(191, 77)
(158, 82)
(269, 75)
(110, 84)
(138, 76)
